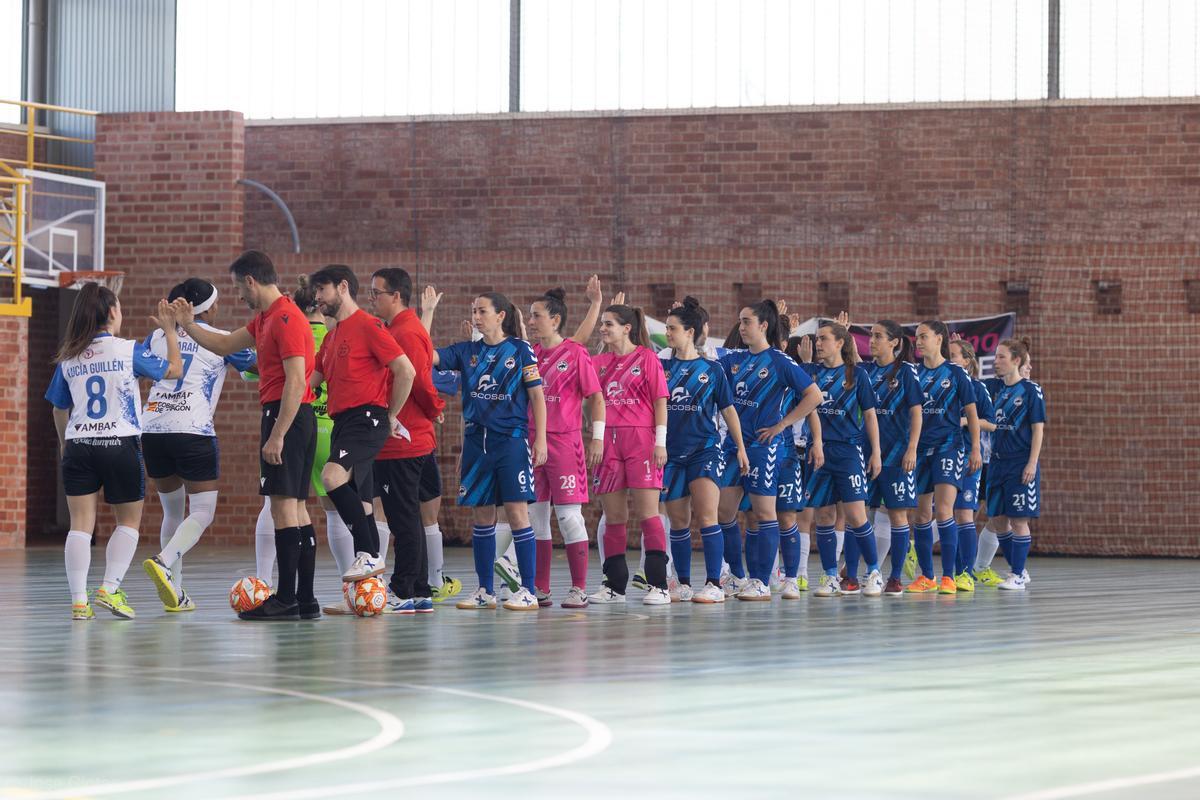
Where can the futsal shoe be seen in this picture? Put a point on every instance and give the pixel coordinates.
(309, 610)
(988, 577)
(964, 582)
(82, 611)
(872, 585)
(274, 610)
(115, 601)
(802, 583)
(449, 588)
(522, 600)
(399, 605)
(910, 562)
(423, 605)
(791, 590)
(576, 598)
(365, 566)
(732, 584)
(894, 587)
(543, 599)
(605, 596)
(947, 585)
(1014, 583)
(755, 590)
(850, 586)
(656, 597)
(480, 601)
(681, 593)
(921, 585)
(508, 572)
(639, 581)
(161, 575)
(186, 603)
(777, 580)
(341, 609)
(827, 587)
(1025, 576)
(709, 594)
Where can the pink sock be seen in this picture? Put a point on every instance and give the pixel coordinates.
(545, 550)
(615, 540)
(577, 560)
(655, 536)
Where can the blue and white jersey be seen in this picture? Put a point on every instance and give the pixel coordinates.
(698, 392)
(187, 405)
(100, 387)
(894, 400)
(843, 407)
(947, 391)
(983, 407)
(762, 383)
(495, 378)
(1017, 409)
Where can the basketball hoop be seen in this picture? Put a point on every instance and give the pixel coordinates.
(75, 280)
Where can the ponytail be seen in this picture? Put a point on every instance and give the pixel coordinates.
(510, 327)
(939, 328)
(903, 352)
(305, 296)
(968, 353)
(554, 301)
(1019, 348)
(635, 319)
(691, 316)
(766, 311)
(89, 316)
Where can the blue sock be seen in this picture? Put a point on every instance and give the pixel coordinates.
(827, 547)
(526, 547)
(733, 548)
(865, 537)
(752, 552)
(1020, 552)
(968, 547)
(483, 546)
(948, 536)
(923, 542)
(851, 554)
(768, 547)
(899, 550)
(789, 547)
(1006, 546)
(681, 552)
(713, 541)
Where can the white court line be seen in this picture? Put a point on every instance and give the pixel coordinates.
(1111, 785)
(390, 731)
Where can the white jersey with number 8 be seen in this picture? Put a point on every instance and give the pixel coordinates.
(100, 387)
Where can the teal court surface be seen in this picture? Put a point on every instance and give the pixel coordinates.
(1085, 686)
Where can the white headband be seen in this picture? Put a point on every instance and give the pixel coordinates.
(200, 308)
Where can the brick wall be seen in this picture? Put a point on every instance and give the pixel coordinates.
(13, 400)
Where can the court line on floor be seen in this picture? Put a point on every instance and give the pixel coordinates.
(391, 729)
(1110, 785)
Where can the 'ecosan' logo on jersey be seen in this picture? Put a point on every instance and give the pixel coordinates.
(486, 388)
(740, 391)
(681, 400)
(614, 391)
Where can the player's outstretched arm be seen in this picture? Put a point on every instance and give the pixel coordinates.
(429, 303)
(223, 344)
(165, 318)
(595, 302)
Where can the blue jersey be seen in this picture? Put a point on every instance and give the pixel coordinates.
(983, 407)
(842, 408)
(495, 380)
(698, 392)
(1018, 408)
(761, 384)
(947, 391)
(894, 400)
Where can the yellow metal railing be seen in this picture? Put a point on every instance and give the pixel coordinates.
(13, 190)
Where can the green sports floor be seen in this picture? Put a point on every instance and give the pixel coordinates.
(1086, 686)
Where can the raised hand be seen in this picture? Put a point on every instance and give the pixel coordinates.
(619, 299)
(592, 292)
(843, 319)
(430, 298)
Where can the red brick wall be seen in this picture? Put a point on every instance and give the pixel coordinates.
(41, 468)
(13, 356)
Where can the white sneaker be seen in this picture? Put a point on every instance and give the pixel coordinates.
(709, 594)
(681, 593)
(365, 566)
(656, 597)
(790, 590)
(828, 587)
(479, 601)
(872, 585)
(1014, 583)
(576, 598)
(605, 596)
(755, 590)
(522, 600)
(399, 605)
(777, 579)
(732, 584)
(1025, 577)
(508, 572)
(503, 593)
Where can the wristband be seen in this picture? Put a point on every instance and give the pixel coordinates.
(660, 435)
(598, 431)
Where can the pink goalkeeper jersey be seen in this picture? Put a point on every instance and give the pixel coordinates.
(567, 377)
(631, 385)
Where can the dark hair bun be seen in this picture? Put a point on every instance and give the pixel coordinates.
(690, 302)
(557, 293)
(194, 290)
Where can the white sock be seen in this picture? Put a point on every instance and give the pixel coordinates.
(504, 540)
(203, 507)
(264, 544)
(121, 547)
(642, 555)
(174, 508)
(805, 551)
(841, 542)
(988, 545)
(601, 526)
(78, 556)
(385, 539)
(341, 540)
(433, 545)
(539, 520)
(883, 534)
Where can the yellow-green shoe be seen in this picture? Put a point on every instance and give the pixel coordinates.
(910, 562)
(964, 582)
(116, 602)
(449, 588)
(186, 603)
(161, 575)
(989, 577)
(82, 611)
(802, 583)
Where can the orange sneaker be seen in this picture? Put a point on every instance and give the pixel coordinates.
(921, 585)
(947, 586)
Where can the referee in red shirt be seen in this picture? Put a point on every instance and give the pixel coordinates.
(281, 335)
(369, 378)
(406, 472)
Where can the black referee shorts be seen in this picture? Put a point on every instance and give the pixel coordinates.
(291, 477)
(359, 434)
(113, 463)
(431, 479)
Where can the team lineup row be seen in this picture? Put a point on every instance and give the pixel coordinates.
(758, 427)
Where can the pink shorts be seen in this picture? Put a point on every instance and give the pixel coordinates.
(562, 480)
(628, 461)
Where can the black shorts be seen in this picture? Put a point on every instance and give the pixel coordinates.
(359, 434)
(291, 478)
(431, 479)
(190, 456)
(114, 463)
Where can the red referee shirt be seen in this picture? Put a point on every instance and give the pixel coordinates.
(354, 358)
(282, 331)
(423, 404)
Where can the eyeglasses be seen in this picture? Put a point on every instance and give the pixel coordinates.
(373, 292)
